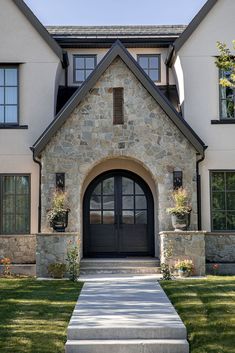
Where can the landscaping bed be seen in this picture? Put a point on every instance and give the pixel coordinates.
(35, 314)
(207, 308)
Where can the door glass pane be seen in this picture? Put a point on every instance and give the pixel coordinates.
(11, 114)
(11, 95)
(218, 182)
(128, 217)
(95, 202)
(128, 202)
(231, 200)
(140, 202)
(218, 200)
(95, 217)
(108, 217)
(219, 220)
(108, 186)
(141, 217)
(138, 189)
(97, 190)
(108, 202)
(127, 186)
(230, 180)
(11, 77)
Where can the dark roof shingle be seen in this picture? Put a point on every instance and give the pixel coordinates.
(116, 31)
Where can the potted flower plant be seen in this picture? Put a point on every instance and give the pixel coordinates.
(57, 215)
(180, 213)
(184, 267)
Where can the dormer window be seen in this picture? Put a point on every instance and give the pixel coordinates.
(83, 67)
(151, 63)
(9, 87)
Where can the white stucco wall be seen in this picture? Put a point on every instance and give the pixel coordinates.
(199, 93)
(38, 67)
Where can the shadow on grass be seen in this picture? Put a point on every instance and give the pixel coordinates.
(207, 308)
(35, 314)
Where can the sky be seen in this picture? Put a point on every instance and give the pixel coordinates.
(115, 12)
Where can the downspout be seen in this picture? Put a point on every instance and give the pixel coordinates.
(39, 191)
(199, 198)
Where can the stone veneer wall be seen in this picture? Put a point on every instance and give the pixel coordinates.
(89, 137)
(220, 247)
(21, 249)
(52, 248)
(186, 245)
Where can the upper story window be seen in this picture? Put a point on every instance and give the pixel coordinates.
(9, 89)
(223, 200)
(227, 98)
(83, 67)
(151, 63)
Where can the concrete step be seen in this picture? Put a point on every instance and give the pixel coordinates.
(127, 346)
(119, 270)
(130, 262)
(165, 331)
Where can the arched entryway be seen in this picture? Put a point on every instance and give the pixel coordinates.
(118, 216)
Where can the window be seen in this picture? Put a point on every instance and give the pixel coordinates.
(118, 115)
(223, 200)
(227, 98)
(9, 87)
(151, 65)
(83, 67)
(15, 204)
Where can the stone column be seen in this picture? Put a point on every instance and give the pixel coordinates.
(186, 245)
(52, 248)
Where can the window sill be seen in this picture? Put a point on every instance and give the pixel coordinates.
(17, 127)
(223, 121)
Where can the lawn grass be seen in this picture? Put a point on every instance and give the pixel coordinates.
(207, 308)
(34, 314)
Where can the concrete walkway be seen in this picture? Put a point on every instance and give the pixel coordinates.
(125, 316)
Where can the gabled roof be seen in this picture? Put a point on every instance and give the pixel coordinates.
(193, 25)
(39, 27)
(118, 50)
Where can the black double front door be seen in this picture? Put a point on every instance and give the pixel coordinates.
(118, 216)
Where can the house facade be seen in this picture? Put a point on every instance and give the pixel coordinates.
(118, 116)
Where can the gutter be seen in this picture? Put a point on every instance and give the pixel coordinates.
(40, 192)
(199, 198)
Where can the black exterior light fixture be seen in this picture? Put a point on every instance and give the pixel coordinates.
(60, 181)
(177, 179)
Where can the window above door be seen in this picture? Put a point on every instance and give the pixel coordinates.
(227, 98)
(151, 64)
(83, 65)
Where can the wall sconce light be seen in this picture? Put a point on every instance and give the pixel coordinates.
(177, 179)
(60, 181)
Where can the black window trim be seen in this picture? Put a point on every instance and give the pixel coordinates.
(74, 65)
(16, 124)
(29, 199)
(211, 208)
(160, 66)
